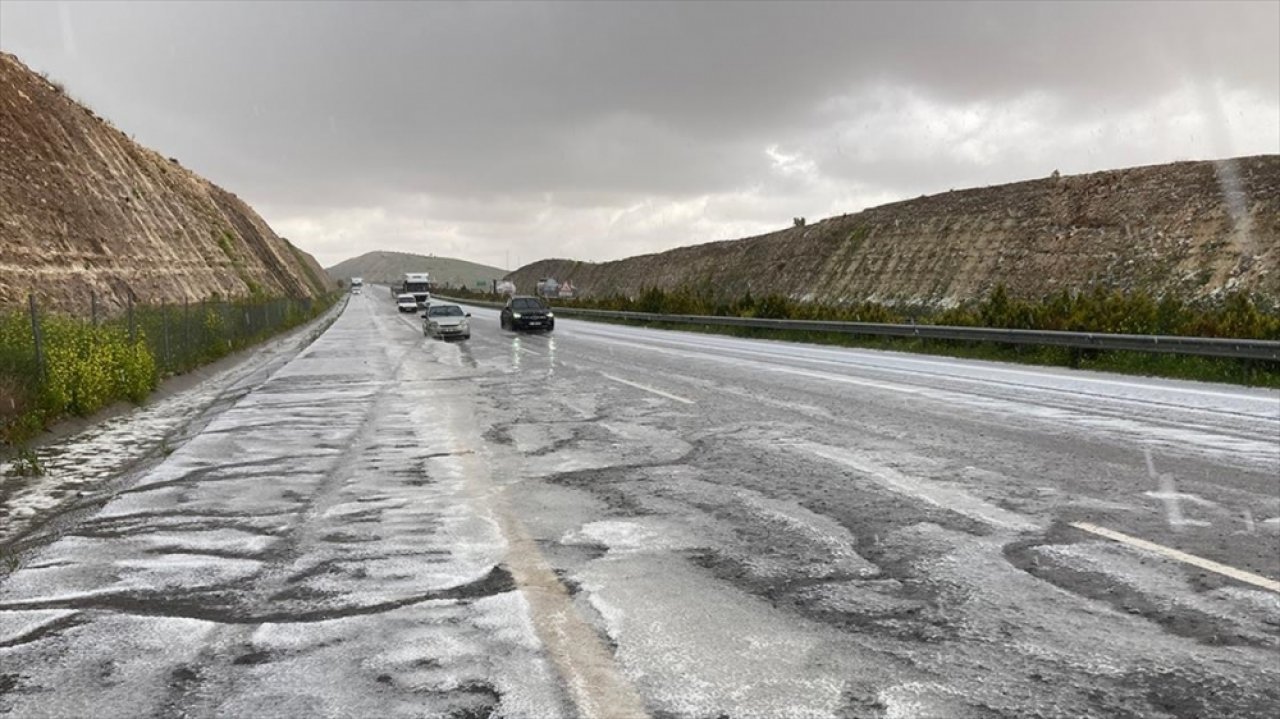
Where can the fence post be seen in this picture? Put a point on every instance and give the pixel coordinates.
(36, 336)
(168, 353)
(186, 331)
(204, 344)
(133, 328)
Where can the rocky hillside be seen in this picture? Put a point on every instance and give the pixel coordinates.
(82, 207)
(1191, 229)
(386, 267)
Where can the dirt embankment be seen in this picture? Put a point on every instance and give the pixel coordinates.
(84, 208)
(1190, 229)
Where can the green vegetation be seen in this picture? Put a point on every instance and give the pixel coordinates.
(87, 367)
(26, 464)
(225, 242)
(320, 284)
(1235, 316)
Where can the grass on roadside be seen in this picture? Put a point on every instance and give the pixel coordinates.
(88, 366)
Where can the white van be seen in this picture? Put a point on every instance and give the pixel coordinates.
(406, 302)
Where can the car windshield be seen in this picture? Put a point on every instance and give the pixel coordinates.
(446, 311)
(406, 299)
(526, 303)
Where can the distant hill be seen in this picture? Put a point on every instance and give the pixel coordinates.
(385, 267)
(1188, 229)
(84, 210)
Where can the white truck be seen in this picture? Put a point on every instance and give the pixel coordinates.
(417, 284)
(357, 284)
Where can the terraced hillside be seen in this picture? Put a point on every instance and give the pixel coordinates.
(1190, 229)
(83, 207)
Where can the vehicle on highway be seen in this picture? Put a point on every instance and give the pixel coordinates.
(547, 287)
(527, 313)
(406, 302)
(417, 284)
(444, 321)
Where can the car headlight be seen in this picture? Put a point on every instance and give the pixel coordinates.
(516, 315)
(551, 314)
(464, 324)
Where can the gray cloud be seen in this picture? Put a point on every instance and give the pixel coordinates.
(601, 129)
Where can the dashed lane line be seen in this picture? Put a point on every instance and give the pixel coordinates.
(648, 389)
(1256, 580)
(845, 379)
(939, 495)
(852, 357)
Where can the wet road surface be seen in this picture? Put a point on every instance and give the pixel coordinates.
(610, 521)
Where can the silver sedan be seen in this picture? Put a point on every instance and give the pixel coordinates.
(446, 322)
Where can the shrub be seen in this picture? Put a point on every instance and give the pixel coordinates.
(1237, 315)
(87, 367)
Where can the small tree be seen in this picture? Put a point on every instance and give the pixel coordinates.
(798, 221)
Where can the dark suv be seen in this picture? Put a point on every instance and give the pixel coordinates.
(527, 313)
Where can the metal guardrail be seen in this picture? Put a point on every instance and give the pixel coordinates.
(1267, 350)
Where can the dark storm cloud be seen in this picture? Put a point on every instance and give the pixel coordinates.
(556, 111)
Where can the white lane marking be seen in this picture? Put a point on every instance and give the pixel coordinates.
(860, 358)
(919, 375)
(650, 390)
(850, 364)
(954, 500)
(1180, 435)
(1256, 580)
(410, 322)
(829, 377)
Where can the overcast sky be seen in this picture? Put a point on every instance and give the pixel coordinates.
(598, 131)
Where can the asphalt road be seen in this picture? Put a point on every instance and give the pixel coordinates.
(610, 521)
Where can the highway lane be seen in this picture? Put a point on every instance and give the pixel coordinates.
(1117, 442)
(891, 458)
(611, 521)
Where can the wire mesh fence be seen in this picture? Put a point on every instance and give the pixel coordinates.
(57, 363)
